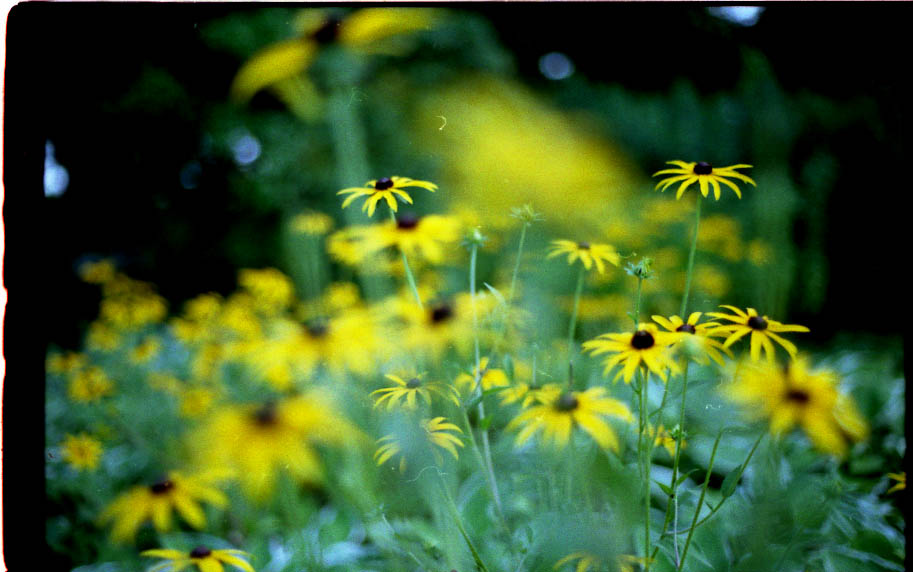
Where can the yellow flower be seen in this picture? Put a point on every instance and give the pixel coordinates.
(312, 223)
(89, 384)
(586, 560)
(81, 451)
(563, 411)
(647, 346)
(442, 325)
(435, 430)
(694, 339)
(204, 558)
(705, 175)
(761, 328)
(792, 395)
(588, 253)
(901, 479)
(528, 394)
(196, 401)
(488, 377)
(420, 238)
(99, 272)
(155, 502)
(662, 437)
(259, 442)
(272, 291)
(65, 363)
(409, 391)
(387, 188)
(146, 350)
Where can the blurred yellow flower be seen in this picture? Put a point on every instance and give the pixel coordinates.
(409, 391)
(312, 223)
(647, 346)
(528, 394)
(705, 175)
(272, 291)
(588, 254)
(442, 325)
(202, 558)
(420, 238)
(901, 479)
(721, 234)
(791, 395)
(663, 438)
(437, 431)
(563, 411)
(65, 363)
(89, 384)
(155, 502)
(694, 339)
(761, 328)
(387, 188)
(98, 272)
(81, 451)
(489, 377)
(146, 350)
(586, 560)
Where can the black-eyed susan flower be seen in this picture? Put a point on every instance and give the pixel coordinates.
(442, 325)
(437, 431)
(647, 347)
(65, 363)
(489, 377)
(156, 502)
(527, 394)
(557, 416)
(387, 188)
(82, 452)
(419, 238)
(901, 483)
(271, 290)
(792, 394)
(761, 328)
(203, 558)
(694, 338)
(258, 442)
(407, 392)
(312, 223)
(589, 254)
(89, 384)
(705, 175)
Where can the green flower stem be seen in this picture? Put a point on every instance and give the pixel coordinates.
(688, 276)
(695, 522)
(410, 278)
(455, 514)
(678, 451)
(573, 325)
(640, 283)
(647, 453)
(513, 286)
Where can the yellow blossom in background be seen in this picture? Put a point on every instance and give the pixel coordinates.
(586, 561)
(312, 223)
(759, 252)
(489, 377)
(901, 479)
(82, 452)
(411, 388)
(443, 325)
(98, 272)
(146, 350)
(420, 238)
(705, 175)
(272, 291)
(761, 328)
(387, 188)
(437, 431)
(563, 411)
(663, 438)
(721, 234)
(528, 394)
(588, 254)
(155, 502)
(196, 401)
(256, 442)
(647, 347)
(202, 558)
(793, 395)
(65, 363)
(599, 306)
(89, 384)
(710, 280)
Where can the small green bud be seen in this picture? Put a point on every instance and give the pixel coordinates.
(526, 214)
(642, 270)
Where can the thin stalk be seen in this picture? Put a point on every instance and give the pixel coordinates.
(410, 278)
(573, 326)
(513, 285)
(678, 451)
(455, 514)
(647, 454)
(640, 283)
(688, 276)
(700, 501)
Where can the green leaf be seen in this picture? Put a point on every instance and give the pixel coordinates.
(682, 478)
(666, 488)
(495, 292)
(730, 482)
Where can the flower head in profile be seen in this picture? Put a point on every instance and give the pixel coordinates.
(588, 253)
(647, 347)
(561, 412)
(82, 452)
(155, 502)
(761, 328)
(705, 175)
(437, 431)
(488, 377)
(202, 558)
(694, 338)
(387, 188)
(793, 394)
(406, 392)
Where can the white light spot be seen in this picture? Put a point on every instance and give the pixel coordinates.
(741, 15)
(245, 148)
(56, 177)
(555, 66)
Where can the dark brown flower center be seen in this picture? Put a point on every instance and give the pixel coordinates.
(317, 328)
(757, 323)
(583, 245)
(703, 168)
(267, 414)
(567, 402)
(413, 383)
(642, 340)
(327, 33)
(200, 552)
(407, 221)
(441, 313)
(383, 184)
(798, 396)
(161, 487)
(686, 328)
